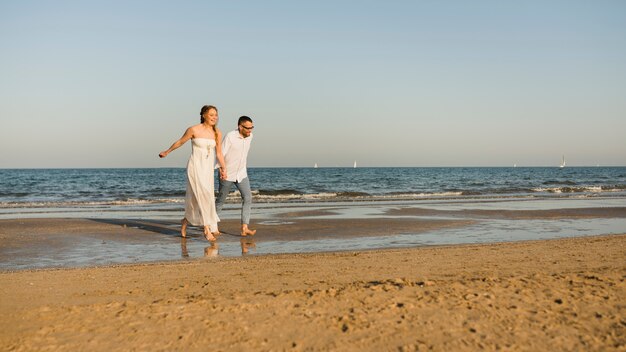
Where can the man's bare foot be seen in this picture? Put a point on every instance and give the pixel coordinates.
(245, 231)
(183, 228)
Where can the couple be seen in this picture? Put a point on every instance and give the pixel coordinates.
(201, 208)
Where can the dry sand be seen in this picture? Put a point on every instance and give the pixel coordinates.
(566, 294)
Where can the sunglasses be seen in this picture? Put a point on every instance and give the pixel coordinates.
(248, 128)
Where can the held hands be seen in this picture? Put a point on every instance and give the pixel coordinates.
(222, 173)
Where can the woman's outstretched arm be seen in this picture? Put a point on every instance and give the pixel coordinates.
(186, 136)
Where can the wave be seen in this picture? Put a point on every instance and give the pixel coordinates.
(582, 189)
(59, 204)
(15, 194)
(278, 192)
(352, 194)
(293, 195)
(553, 182)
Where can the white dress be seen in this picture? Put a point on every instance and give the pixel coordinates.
(200, 196)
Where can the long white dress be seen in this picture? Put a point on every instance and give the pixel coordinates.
(200, 196)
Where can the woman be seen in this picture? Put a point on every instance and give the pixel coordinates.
(200, 197)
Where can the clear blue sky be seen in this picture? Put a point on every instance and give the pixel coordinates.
(398, 83)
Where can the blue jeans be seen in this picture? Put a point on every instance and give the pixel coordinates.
(246, 196)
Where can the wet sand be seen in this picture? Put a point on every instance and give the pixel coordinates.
(31, 231)
(574, 213)
(566, 294)
(41, 243)
(74, 242)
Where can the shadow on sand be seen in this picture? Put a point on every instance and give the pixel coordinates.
(169, 228)
(162, 227)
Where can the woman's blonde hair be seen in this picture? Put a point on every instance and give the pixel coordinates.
(203, 111)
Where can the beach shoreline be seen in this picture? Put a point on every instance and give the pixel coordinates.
(47, 242)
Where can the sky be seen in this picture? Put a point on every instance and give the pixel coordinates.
(385, 83)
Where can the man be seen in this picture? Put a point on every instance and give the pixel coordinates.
(235, 147)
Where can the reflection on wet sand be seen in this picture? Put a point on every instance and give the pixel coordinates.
(246, 244)
(183, 248)
(212, 250)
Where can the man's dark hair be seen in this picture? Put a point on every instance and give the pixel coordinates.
(244, 119)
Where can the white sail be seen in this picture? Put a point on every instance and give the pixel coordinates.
(355, 164)
(563, 161)
(315, 166)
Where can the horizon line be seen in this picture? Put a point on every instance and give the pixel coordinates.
(306, 167)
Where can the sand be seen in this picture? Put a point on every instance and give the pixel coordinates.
(574, 213)
(551, 295)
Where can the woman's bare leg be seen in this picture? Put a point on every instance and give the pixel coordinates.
(183, 228)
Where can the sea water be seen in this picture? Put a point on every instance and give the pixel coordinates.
(162, 187)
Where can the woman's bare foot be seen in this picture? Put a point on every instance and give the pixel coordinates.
(183, 228)
(245, 231)
(216, 232)
(209, 235)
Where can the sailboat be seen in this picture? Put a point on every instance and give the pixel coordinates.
(562, 162)
(315, 166)
(355, 164)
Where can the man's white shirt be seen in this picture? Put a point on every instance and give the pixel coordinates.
(235, 150)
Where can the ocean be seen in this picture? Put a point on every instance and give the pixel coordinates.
(51, 188)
